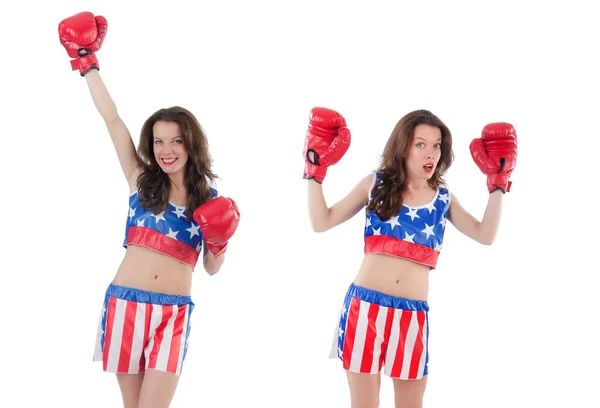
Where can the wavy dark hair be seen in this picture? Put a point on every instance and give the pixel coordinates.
(153, 183)
(387, 193)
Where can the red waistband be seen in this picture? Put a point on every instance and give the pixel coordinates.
(396, 247)
(161, 243)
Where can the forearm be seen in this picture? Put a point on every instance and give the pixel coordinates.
(212, 265)
(317, 207)
(491, 218)
(102, 99)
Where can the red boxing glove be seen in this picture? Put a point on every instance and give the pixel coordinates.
(82, 35)
(327, 140)
(495, 153)
(218, 219)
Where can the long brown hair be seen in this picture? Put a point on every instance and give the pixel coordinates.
(387, 193)
(153, 183)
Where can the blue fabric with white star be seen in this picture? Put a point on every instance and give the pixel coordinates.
(422, 225)
(173, 222)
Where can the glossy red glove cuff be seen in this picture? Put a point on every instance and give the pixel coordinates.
(85, 63)
(312, 171)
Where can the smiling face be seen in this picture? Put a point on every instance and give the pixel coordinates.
(169, 147)
(424, 152)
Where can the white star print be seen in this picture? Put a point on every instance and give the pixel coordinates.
(428, 230)
(199, 246)
(140, 223)
(340, 332)
(160, 216)
(179, 212)
(430, 207)
(344, 310)
(444, 198)
(443, 221)
(393, 221)
(438, 247)
(368, 222)
(412, 213)
(193, 230)
(377, 231)
(131, 213)
(409, 238)
(172, 234)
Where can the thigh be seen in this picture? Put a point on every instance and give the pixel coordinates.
(130, 385)
(157, 389)
(364, 389)
(409, 393)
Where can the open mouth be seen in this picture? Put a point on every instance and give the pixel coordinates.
(168, 162)
(428, 167)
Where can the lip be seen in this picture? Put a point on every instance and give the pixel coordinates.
(428, 170)
(168, 158)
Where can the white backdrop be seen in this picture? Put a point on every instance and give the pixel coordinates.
(513, 324)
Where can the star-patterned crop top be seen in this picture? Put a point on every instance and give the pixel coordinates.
(415, 233)
(168, 232)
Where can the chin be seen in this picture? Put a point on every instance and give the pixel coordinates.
(168, 170)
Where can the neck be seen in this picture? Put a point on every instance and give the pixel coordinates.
(177, 185)
(417, 185)
(177, 180)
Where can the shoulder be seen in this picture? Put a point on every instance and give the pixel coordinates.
(368, 182)
(134, 195)
(212, 186)
(445, 190)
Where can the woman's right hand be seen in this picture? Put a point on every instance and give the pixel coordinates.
(326, 142)
(82, 35)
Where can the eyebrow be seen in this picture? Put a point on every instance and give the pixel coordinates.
(426, 140)
(160, 138)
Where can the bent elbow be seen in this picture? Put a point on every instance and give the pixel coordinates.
(211, 270)
(487, 241)
(319, 227)
(111, 119)
(213, 266)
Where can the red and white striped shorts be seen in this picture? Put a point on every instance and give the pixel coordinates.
(377, 329)
(141, 330)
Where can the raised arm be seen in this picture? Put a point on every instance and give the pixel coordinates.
(483, 231)
(82, 36)
(119, 133)
(495, 153)
(327, 140)
(323, 217)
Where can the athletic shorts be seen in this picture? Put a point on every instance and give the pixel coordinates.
(141, 330)
(376, 329)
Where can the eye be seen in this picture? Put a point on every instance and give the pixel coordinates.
(179, 141)
(438, 146)
(420, 144)
(157, 141)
